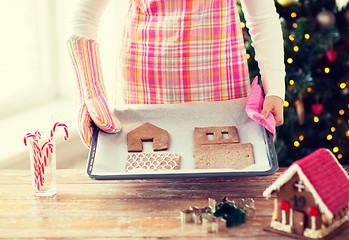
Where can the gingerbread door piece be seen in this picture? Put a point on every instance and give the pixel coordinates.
(147, 132)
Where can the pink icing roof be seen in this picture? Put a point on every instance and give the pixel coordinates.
(327, 177)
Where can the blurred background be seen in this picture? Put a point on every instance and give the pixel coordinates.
(316, 39)
(37, 78)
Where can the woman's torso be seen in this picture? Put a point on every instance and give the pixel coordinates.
(177, 51)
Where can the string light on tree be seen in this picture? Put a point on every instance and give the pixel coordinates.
(296, 48)
(342, 86)
(316, 119)
(329, 137)
(327, 70)
(296, 144)
(289, 60)
(306, 36)
(301, 138)
(286, 104)
(335, 149)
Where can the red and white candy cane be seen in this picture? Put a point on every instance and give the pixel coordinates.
(58, 124)
(36, 157)
(40, 155)
(46, 149)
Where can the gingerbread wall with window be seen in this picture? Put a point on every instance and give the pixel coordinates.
(220, 147)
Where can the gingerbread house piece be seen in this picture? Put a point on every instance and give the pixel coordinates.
(147, 132)
(312, 197)
(220, 147)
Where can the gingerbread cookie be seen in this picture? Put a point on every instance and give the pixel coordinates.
(236, 156)
(152, 161)
(215, 135)
(220, 147)
(147, 132)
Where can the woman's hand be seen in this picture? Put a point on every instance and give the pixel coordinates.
(275, 106)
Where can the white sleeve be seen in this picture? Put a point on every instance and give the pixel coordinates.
(264, 26)
(86, 16)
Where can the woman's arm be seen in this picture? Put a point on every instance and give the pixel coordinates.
(84, 51)
(265, 29)
(86, 16)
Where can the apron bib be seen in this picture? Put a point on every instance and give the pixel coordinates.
(175, 51)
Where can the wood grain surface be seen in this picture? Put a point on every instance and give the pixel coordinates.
(86, 208)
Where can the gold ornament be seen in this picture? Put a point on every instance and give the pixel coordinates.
(326, 18)
(300, 111)
(345, 91)
(286, 3)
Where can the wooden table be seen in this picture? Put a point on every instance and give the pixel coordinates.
(86, 208)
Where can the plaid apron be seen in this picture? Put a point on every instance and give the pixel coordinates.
(175, 51)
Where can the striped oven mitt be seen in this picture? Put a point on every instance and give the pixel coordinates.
(90, 91)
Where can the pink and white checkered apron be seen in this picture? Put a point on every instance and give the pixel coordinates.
(176, 51)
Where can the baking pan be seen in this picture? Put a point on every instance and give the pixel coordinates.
(108, 152)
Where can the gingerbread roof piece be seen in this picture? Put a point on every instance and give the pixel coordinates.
(323, 176)
(147, 132)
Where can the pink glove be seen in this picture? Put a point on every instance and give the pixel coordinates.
(254, 108)
(90, 94)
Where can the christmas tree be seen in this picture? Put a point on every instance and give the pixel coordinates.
(316, 41)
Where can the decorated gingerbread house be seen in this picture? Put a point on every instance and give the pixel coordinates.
(312, 197)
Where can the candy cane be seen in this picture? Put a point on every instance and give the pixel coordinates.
(29, 135)
(36, 136)
(58, 124)
(38, 171)
(47, 147)
(41, 154)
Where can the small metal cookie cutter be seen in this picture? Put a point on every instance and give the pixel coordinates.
(213, 224)
(212, 221)
(195, 214)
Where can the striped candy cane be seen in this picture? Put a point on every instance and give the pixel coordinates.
(42, 154)
(58, 124)
(36, 157)
(47, 148)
